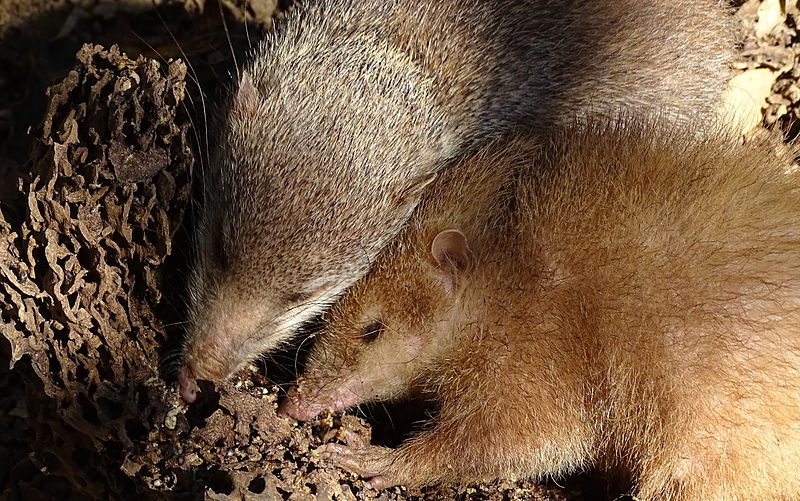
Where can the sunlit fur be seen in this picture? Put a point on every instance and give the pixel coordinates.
(345, 112)
(634, 306)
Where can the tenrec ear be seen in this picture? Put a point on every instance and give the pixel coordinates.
(246, 100)
(453, 257)
(411, 194)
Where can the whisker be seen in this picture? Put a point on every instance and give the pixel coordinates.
(196, 80)
(230, 41)
(173, 324)
(382, 403)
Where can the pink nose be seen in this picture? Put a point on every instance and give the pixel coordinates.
(288, 408)
(294, 407)
(187, 386)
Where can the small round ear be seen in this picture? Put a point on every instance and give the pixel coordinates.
(246, 100)
(413, 191)
(453, 257)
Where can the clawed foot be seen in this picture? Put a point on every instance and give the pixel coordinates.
(368, 461)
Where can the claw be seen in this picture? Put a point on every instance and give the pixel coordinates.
(345, 457)
(366, 461)
(355, 440)
(378, 483)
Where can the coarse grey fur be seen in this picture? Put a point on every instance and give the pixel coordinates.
(350, 108)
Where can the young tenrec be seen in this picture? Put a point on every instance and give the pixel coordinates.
(612, 298)
(350, 108)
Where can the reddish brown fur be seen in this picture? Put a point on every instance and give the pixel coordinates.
(634, 304)
(346, 113)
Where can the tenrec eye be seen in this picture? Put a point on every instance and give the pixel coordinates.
(297, 298)
(372, 331)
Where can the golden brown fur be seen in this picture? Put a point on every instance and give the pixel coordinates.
(631, 302)
(349, 109)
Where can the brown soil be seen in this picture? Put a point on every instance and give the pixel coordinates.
(97, 150)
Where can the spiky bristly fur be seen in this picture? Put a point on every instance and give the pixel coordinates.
(347, 111)
(609, 296)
